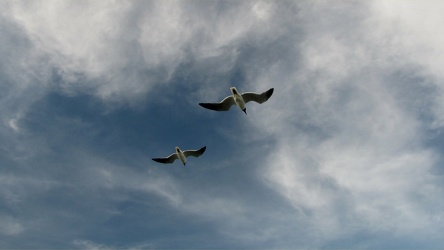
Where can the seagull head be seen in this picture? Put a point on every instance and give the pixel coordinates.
(234, 91)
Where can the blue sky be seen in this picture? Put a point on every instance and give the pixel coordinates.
(347, 153)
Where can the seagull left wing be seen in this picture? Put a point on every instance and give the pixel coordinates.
(259, 98)
(167, 160)
(224, 105)
(195, 153)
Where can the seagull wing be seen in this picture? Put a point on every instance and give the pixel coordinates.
(167, 160)
(259, 98)
(195, 153)
(224, 105)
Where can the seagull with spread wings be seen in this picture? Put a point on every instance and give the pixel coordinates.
(181, 155)
(239, 100)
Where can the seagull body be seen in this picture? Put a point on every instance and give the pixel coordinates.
(239, 100)
(181, 155)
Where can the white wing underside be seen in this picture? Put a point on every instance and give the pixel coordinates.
(170, 159)
(224, 105)
(259, 98)
(195, 153)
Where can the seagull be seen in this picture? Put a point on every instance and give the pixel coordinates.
(239, 99)
(181, 155)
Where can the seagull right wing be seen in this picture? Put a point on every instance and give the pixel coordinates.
(224, 105)
(259, 98)
(170, 159)
(195, 153)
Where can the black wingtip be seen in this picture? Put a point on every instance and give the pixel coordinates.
(269, 93)
(205, 105)
(245, 110)
(202, 150)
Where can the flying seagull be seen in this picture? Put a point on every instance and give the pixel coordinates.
(239, 99)
(181, 155)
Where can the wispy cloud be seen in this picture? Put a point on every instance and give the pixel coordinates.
(346, 140)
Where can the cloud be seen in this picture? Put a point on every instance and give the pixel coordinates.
(121, 50)
(10, 226)
(345, 139)
(85, 244)
(410, 32)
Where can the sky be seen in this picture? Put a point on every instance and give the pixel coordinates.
(348, 153)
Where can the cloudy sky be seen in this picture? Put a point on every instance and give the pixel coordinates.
(347, 153)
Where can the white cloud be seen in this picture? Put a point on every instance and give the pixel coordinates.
(86, 244)
(411, 34)
(344, 137)
(119, 50)
(10, 226)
